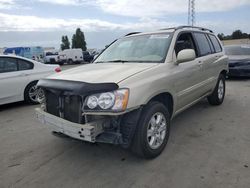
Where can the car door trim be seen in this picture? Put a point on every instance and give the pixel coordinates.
(194, 87)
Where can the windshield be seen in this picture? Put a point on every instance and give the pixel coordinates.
(51, 53)
(142, 48)
(237, 50)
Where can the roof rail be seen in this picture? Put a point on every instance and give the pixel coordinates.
(188, 26)
(195, 27)
(132, 33)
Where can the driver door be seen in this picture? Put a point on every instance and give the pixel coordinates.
(188, 74)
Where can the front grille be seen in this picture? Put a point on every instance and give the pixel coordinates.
(72, 108)
(65, 106)
(52, 103)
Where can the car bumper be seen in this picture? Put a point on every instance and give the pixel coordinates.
(239, 71)
(87, 132)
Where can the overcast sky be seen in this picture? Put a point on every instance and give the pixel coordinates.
(43, 22)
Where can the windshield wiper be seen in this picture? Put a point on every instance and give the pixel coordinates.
(119, 61)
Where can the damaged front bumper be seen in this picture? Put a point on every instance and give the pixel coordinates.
(87, 132)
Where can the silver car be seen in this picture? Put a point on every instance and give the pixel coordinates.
(133, 89)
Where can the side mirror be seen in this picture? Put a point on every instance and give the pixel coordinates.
(185, 55)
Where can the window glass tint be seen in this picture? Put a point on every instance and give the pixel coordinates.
(184, 41)
(202, 44)
(24, 65)
(85, 53)
(216, 43)
(8, 65)
(211, 45)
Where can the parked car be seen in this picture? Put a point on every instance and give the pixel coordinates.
(70, 56)
(239, 60)
(130, 93)
(19, 76)
(87, 57)
(51, 57)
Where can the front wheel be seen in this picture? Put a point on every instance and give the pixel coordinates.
(217, 97)
(152, 132)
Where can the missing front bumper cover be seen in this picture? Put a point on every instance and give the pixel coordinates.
(87, 132)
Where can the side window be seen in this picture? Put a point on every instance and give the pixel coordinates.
(203, 44)
(8, 65)
(211, 45)
(185, 41)
(24, 65)
(215, 43)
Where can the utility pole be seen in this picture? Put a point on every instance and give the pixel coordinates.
(191, 12)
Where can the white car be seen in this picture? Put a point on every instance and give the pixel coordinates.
(18, 78)
(51, 57)
(70, 56)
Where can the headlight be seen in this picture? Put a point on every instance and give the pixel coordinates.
(106, 100)
(92, 102)
(109, 101)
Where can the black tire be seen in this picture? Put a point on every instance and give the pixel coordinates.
(27, 97)
(140, 144)
(61, 63)
(70, 62)
(217, 98)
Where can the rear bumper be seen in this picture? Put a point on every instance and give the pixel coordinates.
(87, 132)
(239, 71)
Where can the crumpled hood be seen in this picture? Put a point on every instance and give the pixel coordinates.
(103, 72)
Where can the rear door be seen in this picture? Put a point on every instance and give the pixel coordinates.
(206, 60)
(12, 81)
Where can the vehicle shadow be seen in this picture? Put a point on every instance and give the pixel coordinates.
(238, 79)
(13, 105)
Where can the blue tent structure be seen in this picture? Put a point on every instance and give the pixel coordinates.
(28, 52)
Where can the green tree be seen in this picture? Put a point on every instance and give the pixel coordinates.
(221, 36)
(65, 43)
(78, 40)
(237, 34)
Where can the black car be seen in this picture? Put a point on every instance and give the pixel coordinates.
(239, 60)
(87, 57)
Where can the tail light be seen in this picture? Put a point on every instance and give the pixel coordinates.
(58, 69)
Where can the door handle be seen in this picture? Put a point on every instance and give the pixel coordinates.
(200, 63)
(217, 56)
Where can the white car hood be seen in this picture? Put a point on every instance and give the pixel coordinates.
(103, 72)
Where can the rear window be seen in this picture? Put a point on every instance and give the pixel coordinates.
(24, 65)
(202, 43)
(216, 43)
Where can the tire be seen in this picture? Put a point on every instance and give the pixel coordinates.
(31, 88)
(70, 62)
(217, 97)
(143, 144)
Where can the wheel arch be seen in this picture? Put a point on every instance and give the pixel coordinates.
(31, 82)
(167, 99)
(224, 73)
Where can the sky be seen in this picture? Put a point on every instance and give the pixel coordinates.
(43, 22)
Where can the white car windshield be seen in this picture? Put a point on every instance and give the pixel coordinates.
(140, 48)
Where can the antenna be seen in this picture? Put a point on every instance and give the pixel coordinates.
(191, 12)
